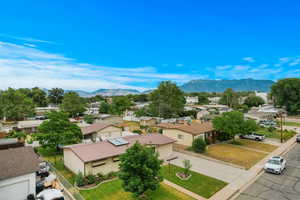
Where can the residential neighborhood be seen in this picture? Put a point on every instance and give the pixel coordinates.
(149, 100)
(201, 150)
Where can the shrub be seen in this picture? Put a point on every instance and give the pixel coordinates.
(199, 145)
(91, 178)
(137, 131)
(207, 141)
(79, 180)
(112, 175)
(271, 129)
(100, 176)
(187, 166)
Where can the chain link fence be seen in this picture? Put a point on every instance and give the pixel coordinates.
(72, 192)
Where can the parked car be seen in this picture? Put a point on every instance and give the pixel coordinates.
(275, 165)
(253, 136)
(298, 138)
(50, 194)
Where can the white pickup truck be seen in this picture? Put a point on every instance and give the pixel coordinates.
(253, 136)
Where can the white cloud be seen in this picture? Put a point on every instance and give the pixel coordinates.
(179, 65)
(29, 45)
(26, 39)
(223, 67)
(241, 67)
(25, 66)
(249, 59)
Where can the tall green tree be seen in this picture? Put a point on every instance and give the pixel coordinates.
(167, 100)
(120, 104)
(73, 104)
(104, 107)
(229, 123)
(58, 130)
(140, 170)
(39, 97)
(56, 95)
(254, 101)
(248, 126)
(229, 98)
(286, 93)
(15, 105)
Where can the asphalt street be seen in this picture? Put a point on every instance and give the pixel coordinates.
(277, 187)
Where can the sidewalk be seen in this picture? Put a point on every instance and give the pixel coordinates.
(183, 190)
(235, 186)
(210, 168)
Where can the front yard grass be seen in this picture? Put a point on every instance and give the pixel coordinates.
(287, 134)
(200, 184)
(234, 154)
(297, 124)
(113, 191)
(257, 145)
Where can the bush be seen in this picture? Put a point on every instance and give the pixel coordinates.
(79, 180)
(207, 141)
(91, 178)
(271, 129)
(112, 175)
(100, 176)
(137, 131)
(89, 119)
(199, 145)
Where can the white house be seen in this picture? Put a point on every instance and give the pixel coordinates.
(191, 100)
(17, 173)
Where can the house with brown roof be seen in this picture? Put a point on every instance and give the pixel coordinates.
(186, 133)
(102, 131)
(102, 157)
(17, 173)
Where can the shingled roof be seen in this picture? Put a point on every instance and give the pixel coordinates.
(193, 128)
(100, 150)
(17, 161)
(95, 128)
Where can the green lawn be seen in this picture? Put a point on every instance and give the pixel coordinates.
(297, 124)
(200, 184)
(276, 133)
(113, 191)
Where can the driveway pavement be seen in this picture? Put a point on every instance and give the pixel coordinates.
(210, 168)
(277, 187)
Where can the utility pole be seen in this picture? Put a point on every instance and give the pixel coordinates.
(281, 131)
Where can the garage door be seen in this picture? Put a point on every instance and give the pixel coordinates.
(15, 191)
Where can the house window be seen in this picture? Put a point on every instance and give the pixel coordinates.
(98, 163)
(179, 136)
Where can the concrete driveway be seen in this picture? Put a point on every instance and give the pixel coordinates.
(277, 187)
(210, 168)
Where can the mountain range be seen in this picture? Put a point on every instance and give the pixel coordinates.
(193, 86)
(106, 92)
(222, 85)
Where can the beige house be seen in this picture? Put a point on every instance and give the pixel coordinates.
(29, 126)
(147, 121)
(186, 133)
(102, 131)
(102, 157)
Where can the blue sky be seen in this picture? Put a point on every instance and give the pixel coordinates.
(136, 44)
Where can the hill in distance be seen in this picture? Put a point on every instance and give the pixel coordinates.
(222, 85)
(106, 92)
